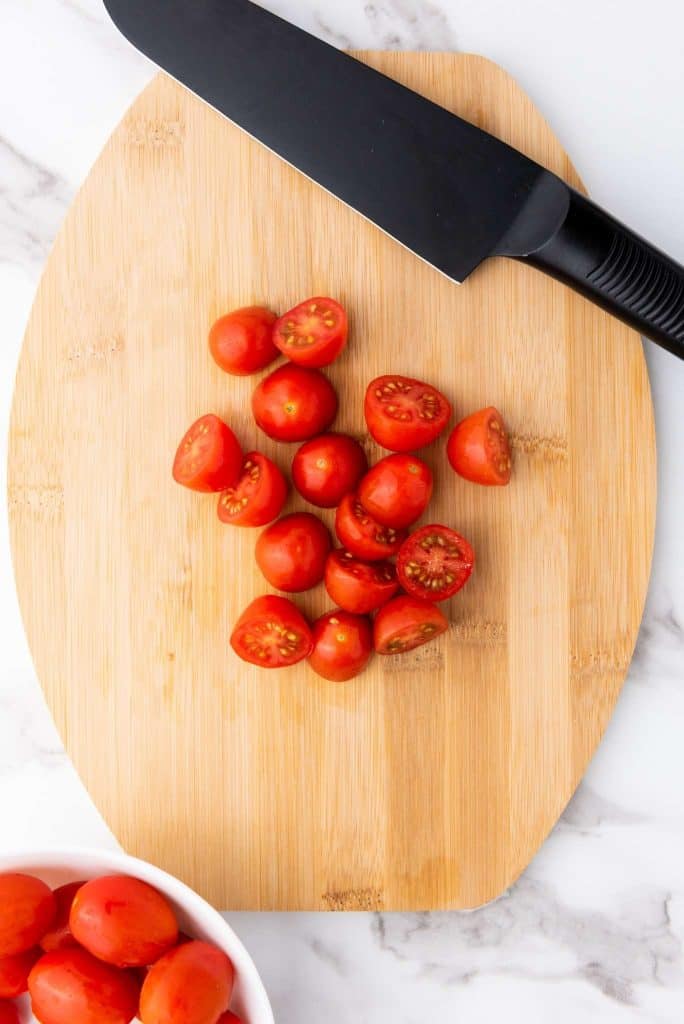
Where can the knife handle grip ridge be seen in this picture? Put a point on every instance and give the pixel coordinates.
(615, 268)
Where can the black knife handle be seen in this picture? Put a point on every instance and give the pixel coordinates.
(618, 270)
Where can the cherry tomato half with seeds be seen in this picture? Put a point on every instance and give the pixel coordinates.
(27, 910)
(314, 333)
(328, 467)
(291, 553)
(242, 342)
(59, 936)
(209, 457)
(406, 623)
(71, 985)
(356, 586)
(364, 536)
(8, 1013)
(272, 633)
(342, 646)
(258, 497)
(294, 404)
(190, 985)
(396, 491)
(14, 972)
(405, 414)
(479, 449)
(435, 563)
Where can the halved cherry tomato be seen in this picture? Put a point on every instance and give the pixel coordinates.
(292, 552)
(190, 985)
(70, 985)
(294, 404)
(313, 333)
(328, 467)
(356, 586)
(342, 645)
(242, 342)
(479, 449)
(209, 457)
(8, 1013)
(123, 921)
(14, 972)
(27, 910)
(406, 623)
(363, 535)
(396, 491)
(59, 936)
(405, 414)
(272, 633)
(258, 497)
(434, 563)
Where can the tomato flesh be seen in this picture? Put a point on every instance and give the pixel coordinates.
(59, 936)
(396, 491)
(242, 342)
(357, 586)
(294, 404)
(328, 467)
(272, 633)
(314, 333)
(190, 985)
(291, 553)
(209, 457)
(363, 535)
(406, 623)
(258, 497)
(70, 985)
(479, 449)
(27, 910)
(405, 414)
(8, 1013)
(14, 972)
(435, 563)
(342, 646)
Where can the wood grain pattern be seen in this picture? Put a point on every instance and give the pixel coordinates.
(432, 780)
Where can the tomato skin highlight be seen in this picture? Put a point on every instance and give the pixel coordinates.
(273, 627)
(209, 457)
(362, 535)
(328, 467)
(192, 984)
(404, 414)
(342, 646)
(258, 497)
(59, 936)
(434, 563)
(314, 333)
(123, 921)
(479, 449)
(294, 404)
(70, 985)
(8, 1013)
(14, 972)
(291, 553)
(242, 342)
(27, 910)
(357, 586)
(406, 623)
(396, 491)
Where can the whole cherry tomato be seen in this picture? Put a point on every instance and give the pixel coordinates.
(291, 553)
(435, 563)
(190, 985)
(209, 457)
(396, 491)
(229, 1018)
(342, 645)
(479, 449)
(356, 586)
(27, 910)
(242, 342)
(294, 404)
(70, 985)
(328, 467)
(14, 972)
(405, 414)
(272, 633)
(59, 936)
(362, 535)
(313, 333)
(8, 1013)
(258, 496)
(406, 623)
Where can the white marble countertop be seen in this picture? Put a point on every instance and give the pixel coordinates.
(594, 930)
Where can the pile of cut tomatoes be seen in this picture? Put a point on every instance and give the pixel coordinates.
(385, 567)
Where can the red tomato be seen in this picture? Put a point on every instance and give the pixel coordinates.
(292, 552)
(209, 456)
(70, 985)
(258, 497)
(396, 491)
(14, 972)
(342, 645)
(434, 563)
(406, 623)
(294, 404)
(313, 333)
(404, 414)
(8, 1013)
(190, 985)
(272, 633)
(242, 342)
(59, 936)
(27, 909)
(479, 449)
(327, 468)
(363, 535)
(226, 1018)
(123, 921)
(357, 586)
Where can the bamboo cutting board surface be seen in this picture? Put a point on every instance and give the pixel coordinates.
(432, 780)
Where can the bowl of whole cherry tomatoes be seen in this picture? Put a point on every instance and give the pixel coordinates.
(97, 937)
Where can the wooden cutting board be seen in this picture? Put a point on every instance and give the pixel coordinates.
(432, 780)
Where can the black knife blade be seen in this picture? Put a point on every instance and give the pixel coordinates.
(444, 188)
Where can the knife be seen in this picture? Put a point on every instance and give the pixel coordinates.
(452, 193)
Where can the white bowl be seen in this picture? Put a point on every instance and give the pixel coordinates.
(195, 916)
